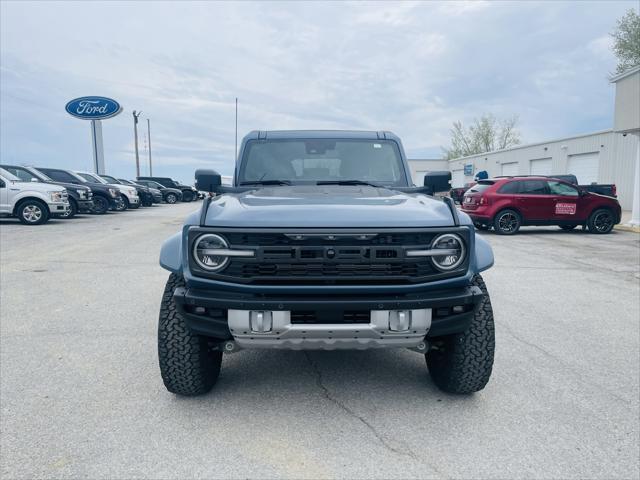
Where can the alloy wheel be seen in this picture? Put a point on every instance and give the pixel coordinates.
(603, 222)
(32, 213)
(508, 222)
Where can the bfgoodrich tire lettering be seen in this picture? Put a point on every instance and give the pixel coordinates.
(462, 363)
(188, 364)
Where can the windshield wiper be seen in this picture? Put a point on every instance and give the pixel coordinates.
(267, 182)
(348, 182)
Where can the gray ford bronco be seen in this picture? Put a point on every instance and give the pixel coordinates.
(323, 242)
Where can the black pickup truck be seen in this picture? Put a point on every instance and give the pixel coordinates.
(188, 193)
(104, 196)
(608, 189)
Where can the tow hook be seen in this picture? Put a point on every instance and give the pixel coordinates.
(229, 347)
(422, 347)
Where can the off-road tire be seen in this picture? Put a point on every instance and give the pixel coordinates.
(171, 198)
(596, 225)
(462, 362)
(187, 196)
(188, 364)
(100, 205)
(567, 228)
(500, 218)
(32, 212)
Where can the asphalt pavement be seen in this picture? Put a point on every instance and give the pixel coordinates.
(81, 394)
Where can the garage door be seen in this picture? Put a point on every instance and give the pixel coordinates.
(584, 166)
(457, 178)
(540, 166)
(509, 169)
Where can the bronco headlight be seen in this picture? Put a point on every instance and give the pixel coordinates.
(454, 252)
(206, 252)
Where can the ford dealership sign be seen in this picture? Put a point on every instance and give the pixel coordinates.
(93, 108)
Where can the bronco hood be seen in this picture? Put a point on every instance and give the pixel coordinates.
(322, 206)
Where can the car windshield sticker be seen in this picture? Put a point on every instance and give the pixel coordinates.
(565, 208)
(377, 145)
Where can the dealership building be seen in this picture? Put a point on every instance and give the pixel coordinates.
(608, 156)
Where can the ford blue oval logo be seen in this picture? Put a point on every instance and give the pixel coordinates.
(93, 108)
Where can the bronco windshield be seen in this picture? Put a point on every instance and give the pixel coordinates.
(307, 161)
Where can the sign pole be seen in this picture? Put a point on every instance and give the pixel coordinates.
(149, 135)
(98, 147)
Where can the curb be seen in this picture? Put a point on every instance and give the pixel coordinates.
(628, 228)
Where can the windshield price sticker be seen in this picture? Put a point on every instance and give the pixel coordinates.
(565, 208)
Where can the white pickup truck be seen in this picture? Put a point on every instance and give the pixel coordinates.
(31, 202)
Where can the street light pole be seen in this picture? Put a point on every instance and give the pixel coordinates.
(149, 136)
(135, 132)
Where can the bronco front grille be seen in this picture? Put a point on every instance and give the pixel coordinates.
(314, 257)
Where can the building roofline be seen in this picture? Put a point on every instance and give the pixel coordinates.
(427, 159)
(518, 147)
(624, 74)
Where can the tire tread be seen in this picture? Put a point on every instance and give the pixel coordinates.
(188, 364)
(466, 364)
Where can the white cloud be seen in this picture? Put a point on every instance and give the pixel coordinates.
(601, 46)
(456, 8)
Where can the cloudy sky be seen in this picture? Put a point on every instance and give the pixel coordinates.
(413, 68)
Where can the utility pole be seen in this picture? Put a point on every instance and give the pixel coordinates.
(236, 150)
(145, 150)
(135, 131)
(149, 135)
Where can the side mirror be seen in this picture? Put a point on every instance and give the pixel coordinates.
(438, 181)
(208, 180)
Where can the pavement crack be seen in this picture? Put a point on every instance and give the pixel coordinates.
(566, 365)
(407, 452)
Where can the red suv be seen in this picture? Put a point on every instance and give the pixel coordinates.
(508, 203)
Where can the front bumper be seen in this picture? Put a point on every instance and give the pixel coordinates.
(85, 205)
(207, 313)
(115, 203)
(59, 208)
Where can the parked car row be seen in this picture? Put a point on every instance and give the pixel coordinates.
(35, 194)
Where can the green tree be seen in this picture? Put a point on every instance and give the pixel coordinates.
(485, 134)
(626, 41)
